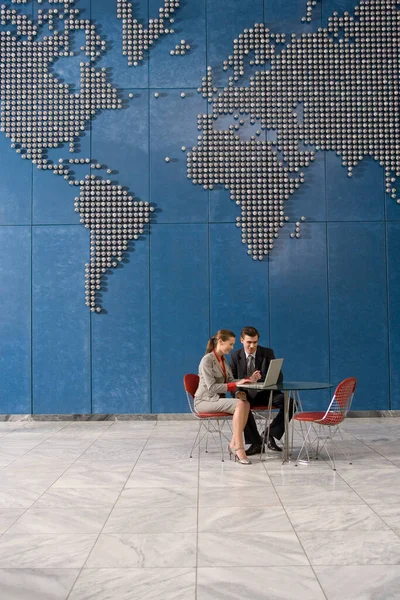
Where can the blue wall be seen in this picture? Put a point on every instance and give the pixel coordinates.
(327, 302)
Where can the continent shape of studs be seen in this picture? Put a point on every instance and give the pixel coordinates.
(40, 113)
(335, 89)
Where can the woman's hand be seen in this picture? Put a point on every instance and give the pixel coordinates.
(255, 377)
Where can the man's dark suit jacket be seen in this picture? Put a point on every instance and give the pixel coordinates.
(263, 357)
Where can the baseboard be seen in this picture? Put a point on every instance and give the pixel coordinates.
(366, 414)
(99, 417)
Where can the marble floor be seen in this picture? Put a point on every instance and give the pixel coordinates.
(118, 511)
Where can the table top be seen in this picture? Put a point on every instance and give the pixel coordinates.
(299, 385)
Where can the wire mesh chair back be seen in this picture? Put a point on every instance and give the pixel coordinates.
(340, 403)
(191, 383)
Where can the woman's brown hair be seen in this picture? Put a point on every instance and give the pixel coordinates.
(222, 334)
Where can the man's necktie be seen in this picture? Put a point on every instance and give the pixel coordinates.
(250, 365)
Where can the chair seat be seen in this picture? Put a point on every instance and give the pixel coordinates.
(262, 408)
(309, 416)
(213, 415)
(318, 416)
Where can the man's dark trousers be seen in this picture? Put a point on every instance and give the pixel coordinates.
(263, 357)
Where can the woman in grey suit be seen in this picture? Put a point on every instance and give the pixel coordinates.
(215, 380)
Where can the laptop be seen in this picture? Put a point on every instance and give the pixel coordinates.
(271, 377)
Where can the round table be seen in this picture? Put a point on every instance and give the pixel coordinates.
(287, 387)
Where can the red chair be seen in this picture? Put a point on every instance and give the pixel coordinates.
(325, 425)
(213, 423)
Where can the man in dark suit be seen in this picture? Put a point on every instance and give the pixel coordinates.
(244, 362)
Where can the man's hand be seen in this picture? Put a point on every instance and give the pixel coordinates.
(255, 377)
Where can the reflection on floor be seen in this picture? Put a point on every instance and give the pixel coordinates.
(117, 510)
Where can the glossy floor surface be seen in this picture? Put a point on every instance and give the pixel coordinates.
(118, 511)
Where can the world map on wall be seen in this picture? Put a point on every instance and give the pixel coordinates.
(335, 89)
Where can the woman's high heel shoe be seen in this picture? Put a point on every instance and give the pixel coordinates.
(231, 451)
(242, 461)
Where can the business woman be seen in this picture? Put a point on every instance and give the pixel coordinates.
(216, 380)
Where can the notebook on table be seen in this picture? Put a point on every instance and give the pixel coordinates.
(271, 377)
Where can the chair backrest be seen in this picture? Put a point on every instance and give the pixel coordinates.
(191, 383)
(340, 403)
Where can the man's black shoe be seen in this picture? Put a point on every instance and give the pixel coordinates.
(254, 449)
(272, 445)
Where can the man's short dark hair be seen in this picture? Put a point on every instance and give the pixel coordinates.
(250, 331)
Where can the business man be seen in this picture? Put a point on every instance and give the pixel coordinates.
(244, 362)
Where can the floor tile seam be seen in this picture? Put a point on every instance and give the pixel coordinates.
(310, 488)
(281, 502)
(205, 489)
(311, 506)
(249, 506)
(50, 486)
(364, 488)
(197, 527)
(346, 531)
(25, 453)
(380, 454)
(149, 504)
(107, 518)
(311, 565)
(122, 568)
(28, 508)
(316, 506)
(395, 530)
(299, 541)
(268, 563)
(353, 564)
(239, 506)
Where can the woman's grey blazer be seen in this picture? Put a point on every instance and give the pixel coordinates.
(212, 381)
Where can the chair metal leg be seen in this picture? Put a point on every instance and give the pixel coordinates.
(211, 427)
(220, 440)
(318, 439)
(327, 443)
(196, 438)
(266, 430)
(339, 445)
(208, 432)
(305, 445)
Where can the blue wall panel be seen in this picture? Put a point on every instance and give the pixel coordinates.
(53, 198)
(186, 70)
(15, 192)
(286, 17)
(61, 321)
(173, 124)
(358, 310)
(356, 198)
(299, 308)
(309, 200)
(393, 246)
(392, 208)
(222, 208)
(15, 322)
(120, 141)
(327, 302)
(238, 284)
(121, 340)
(336, 5)
(104, 13)
(179, 310)
(229, 20)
